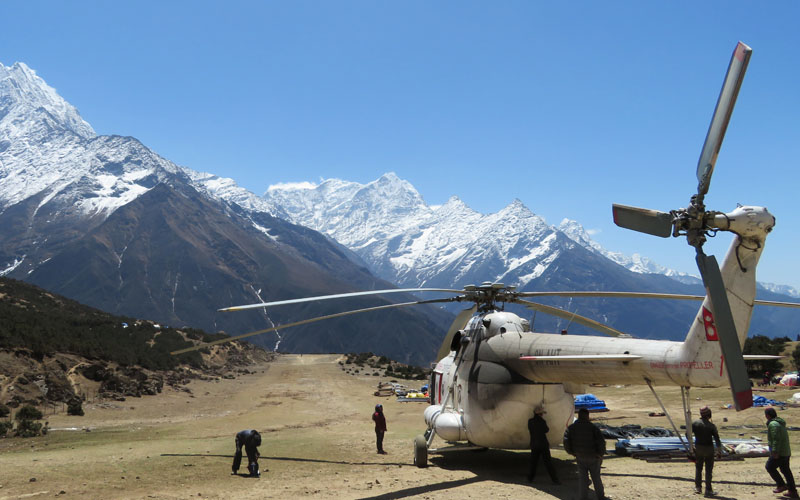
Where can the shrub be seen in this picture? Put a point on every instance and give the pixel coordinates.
(760, 344)
(796, 357)
(28, 428)
(28, 412)
(5, 426)
(75, 408)
(4, 411)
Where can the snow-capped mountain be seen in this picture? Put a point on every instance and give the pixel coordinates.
(403, 240)
(57, 177)
(33, 110)
(47, 148)
(639, 264)
(106, 221)
(388, 224)
(636, 263)
(780, 289)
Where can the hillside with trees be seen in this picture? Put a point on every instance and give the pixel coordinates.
(56, 350)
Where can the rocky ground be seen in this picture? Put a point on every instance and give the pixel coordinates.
(52, 381)
(319, 442)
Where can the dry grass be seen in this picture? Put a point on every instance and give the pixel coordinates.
(318, 442)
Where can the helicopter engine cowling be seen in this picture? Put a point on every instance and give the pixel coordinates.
(448, 425)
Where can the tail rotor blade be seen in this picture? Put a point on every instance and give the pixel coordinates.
(643, 220)
(459, 323)
(722, 115)
(722, 320)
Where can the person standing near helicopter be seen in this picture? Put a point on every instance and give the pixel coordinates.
(380, 427)
(780, 453)
(540, 446)
(585, 441)
(705, 437)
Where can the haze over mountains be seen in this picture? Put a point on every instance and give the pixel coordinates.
(110, 223)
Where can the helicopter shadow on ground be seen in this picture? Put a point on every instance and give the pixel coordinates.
(504, 466)
(288, 459)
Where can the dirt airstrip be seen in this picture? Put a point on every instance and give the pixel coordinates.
(319, 442)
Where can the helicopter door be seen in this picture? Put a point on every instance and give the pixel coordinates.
(436, 388)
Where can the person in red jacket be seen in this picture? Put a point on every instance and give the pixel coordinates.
(380, 427)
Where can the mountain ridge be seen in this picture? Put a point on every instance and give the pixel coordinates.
(106, 221)
(68, 204)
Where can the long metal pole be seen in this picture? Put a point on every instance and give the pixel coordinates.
(650, 385)
(687, 413)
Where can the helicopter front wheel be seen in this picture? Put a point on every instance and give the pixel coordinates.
(420, 451)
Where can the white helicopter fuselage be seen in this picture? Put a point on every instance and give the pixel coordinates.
(485, 391)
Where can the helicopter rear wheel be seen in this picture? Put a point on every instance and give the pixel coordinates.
(420, 451)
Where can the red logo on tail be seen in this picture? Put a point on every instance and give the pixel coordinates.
(708, 322)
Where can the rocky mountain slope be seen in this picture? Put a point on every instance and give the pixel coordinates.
(106, 221)
(53, 349)
(402, 239)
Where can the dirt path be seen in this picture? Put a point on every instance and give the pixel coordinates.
(318, 442)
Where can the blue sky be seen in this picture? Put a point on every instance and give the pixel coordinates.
(568, 106)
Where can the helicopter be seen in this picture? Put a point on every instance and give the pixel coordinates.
(493, 370)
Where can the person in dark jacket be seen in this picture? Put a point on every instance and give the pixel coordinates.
(540, 447)
(380, 427)
(779, 454)
(705, 438)
(250, 440)
(585, 441)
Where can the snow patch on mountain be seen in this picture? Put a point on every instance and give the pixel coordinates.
(289, 186)
(635, 262)
(24, 93)
(389, 225)
(12, 266)
(224, 188)
(48, 150)
(782, 289)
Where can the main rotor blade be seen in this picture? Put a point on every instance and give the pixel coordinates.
(459, 323)
(615, 295)
(646, 295)
(722, 115)
(776, 304)
(577, 318)
(338, 296)
(307, 321)
(643, 220)
(722, 321)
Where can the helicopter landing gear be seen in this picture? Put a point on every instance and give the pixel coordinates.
(420, 451)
